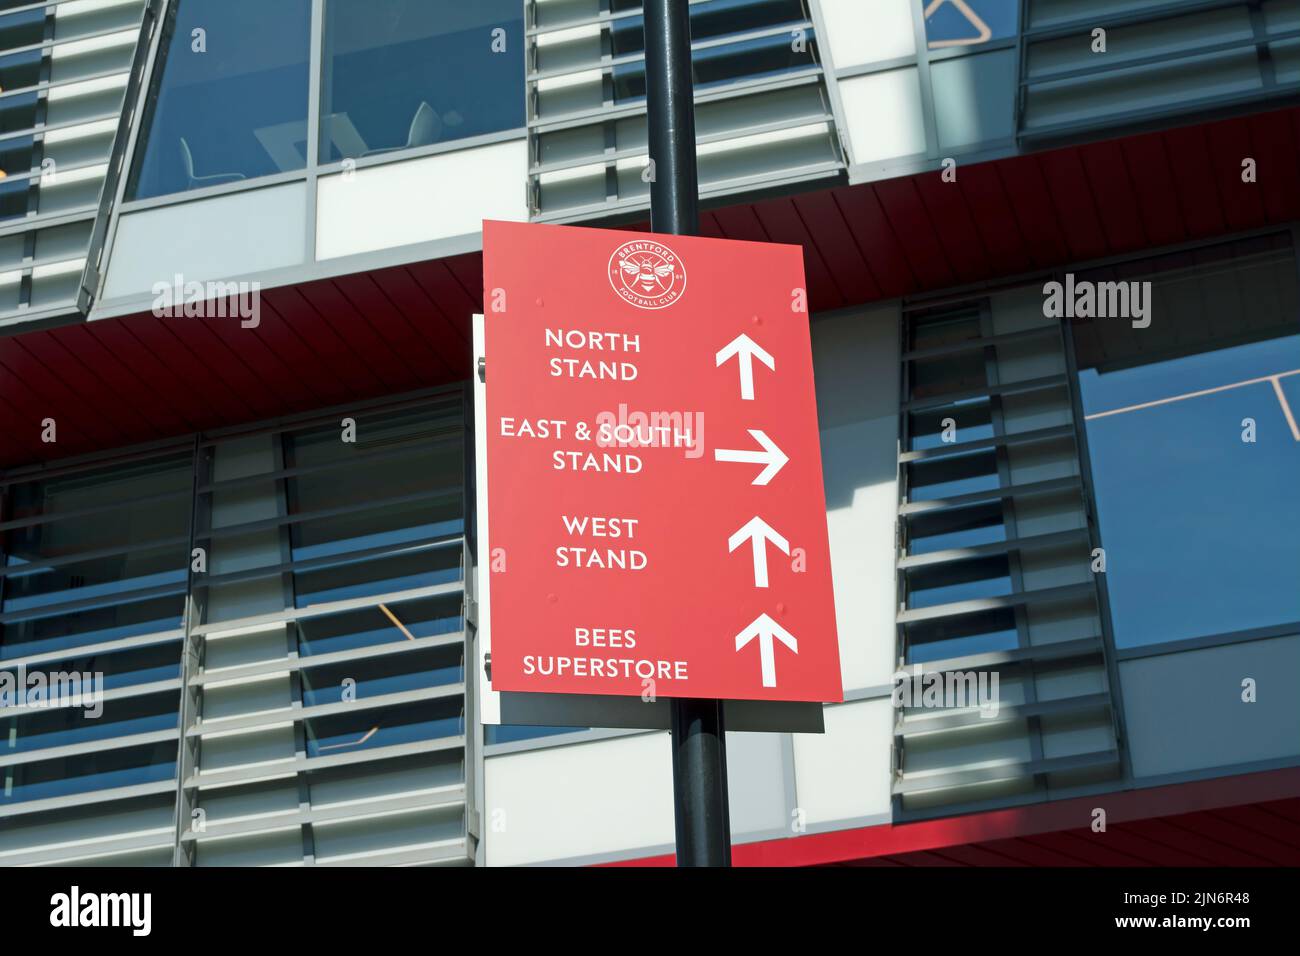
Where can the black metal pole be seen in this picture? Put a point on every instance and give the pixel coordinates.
(699, 741)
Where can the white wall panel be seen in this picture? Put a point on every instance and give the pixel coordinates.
(843, 774)
(756, 784)
(605, 797)
(420, 200)
(883, 112)
(1199, 694)
(867, 31)
(211, 239)
(855, 365)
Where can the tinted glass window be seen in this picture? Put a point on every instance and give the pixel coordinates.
(232, 100)
(390, 522)
(1200, 523)
(951, 24)
(95, 556)
(24, 28)
(83, 773)
(408, 73)
(16, 154)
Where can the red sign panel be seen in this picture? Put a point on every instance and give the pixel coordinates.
(657, 522)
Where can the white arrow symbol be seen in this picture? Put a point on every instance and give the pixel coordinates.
(745, 351)
(771, 456)
(764, 628)
(759, 532)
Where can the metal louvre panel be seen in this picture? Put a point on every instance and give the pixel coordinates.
(314, 732)
(93, 584)
(1161, 59)
(301, 699)
(994, 565)
(762, 113)
(64, 69)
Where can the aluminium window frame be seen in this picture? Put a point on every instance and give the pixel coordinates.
(1158, 648)
(922, 60)
(313, 169)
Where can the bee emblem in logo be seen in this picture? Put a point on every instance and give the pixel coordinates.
(647, 274)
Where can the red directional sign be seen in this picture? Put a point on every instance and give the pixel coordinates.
(656, 517)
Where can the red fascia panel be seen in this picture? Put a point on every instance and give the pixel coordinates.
(117, 382)
(1053, 817)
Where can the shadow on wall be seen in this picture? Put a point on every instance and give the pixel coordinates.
(855, 360)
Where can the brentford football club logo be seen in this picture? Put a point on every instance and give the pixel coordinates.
(647, 274)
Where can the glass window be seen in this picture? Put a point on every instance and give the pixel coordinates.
(388, 674)
(930, 586)
(232, 99)
(83, 773)
(1199, 517)
(368, 729)
(124, 668)
(945, 638)
(512, 733)
(384, 624)
(16, 155)
(71, 725)
(400, 74)
(389, 522)
(23, 28)
(951, 23)
(956, 528)
(95, 556)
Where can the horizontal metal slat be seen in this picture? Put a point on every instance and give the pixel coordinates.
(1032, 543)
(1050, 486)
(1004, 388)
(935, 721)
(1065, 592)
(989, 341)
(951, 778)
(436, 799)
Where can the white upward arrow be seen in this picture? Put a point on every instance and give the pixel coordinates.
(771, 456)
(759, 532)
(745, 350)
(764, 628)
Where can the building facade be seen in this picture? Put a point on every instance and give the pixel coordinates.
(1051, 259)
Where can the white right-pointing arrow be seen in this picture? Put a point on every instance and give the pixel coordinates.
(765, 629)
(771, 456)
(759, 532)
(745, 350)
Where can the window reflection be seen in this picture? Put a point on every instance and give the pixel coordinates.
(959, 23)
(390, 523)
(84, 773)
(400, 74)
(1201, 528)
(232, 99)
